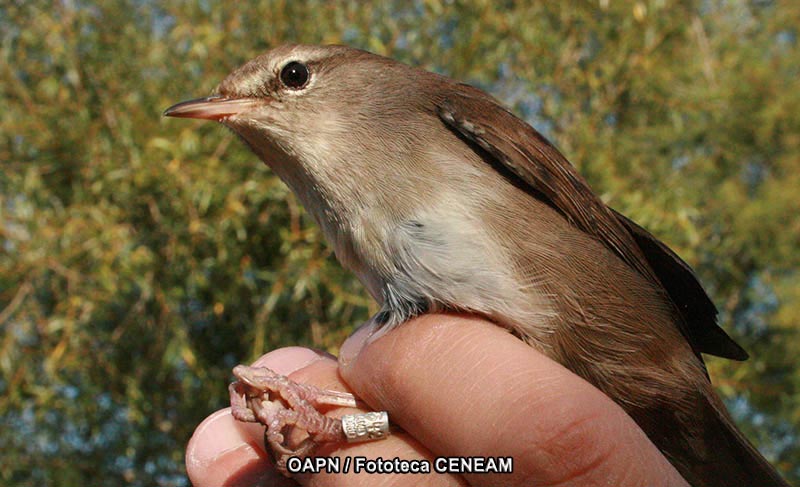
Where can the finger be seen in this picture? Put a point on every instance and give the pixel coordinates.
(324, 374)
(227, 452)
(223, 451)
(214, 460)
(464, 386)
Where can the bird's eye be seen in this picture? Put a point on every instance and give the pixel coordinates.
(295, 75)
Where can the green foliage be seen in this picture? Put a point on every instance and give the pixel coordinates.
(142, 258)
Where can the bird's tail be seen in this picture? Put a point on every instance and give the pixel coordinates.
(719, 454)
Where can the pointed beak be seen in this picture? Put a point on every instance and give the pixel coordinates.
(215, 108)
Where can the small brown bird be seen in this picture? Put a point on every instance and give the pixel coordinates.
(438, 198)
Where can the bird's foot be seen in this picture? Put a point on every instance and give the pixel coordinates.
(289, 410)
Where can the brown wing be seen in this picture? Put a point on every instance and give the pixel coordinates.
(530, 157)
(680, 281)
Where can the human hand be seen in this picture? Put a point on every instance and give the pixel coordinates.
(458, 386)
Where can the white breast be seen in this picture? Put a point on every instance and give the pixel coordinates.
(443, 256)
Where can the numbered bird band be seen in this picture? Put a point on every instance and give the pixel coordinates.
(365, 426)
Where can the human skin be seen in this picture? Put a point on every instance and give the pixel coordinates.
(457, 386)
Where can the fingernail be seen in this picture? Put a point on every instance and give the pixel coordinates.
(353, 345)
(284, 361)
(220, 437)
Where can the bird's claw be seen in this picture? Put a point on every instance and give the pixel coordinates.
(288, 409)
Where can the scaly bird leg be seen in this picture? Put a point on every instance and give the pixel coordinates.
(262, 396)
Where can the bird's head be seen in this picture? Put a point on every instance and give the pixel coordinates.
(341, 126)
(309, 103)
